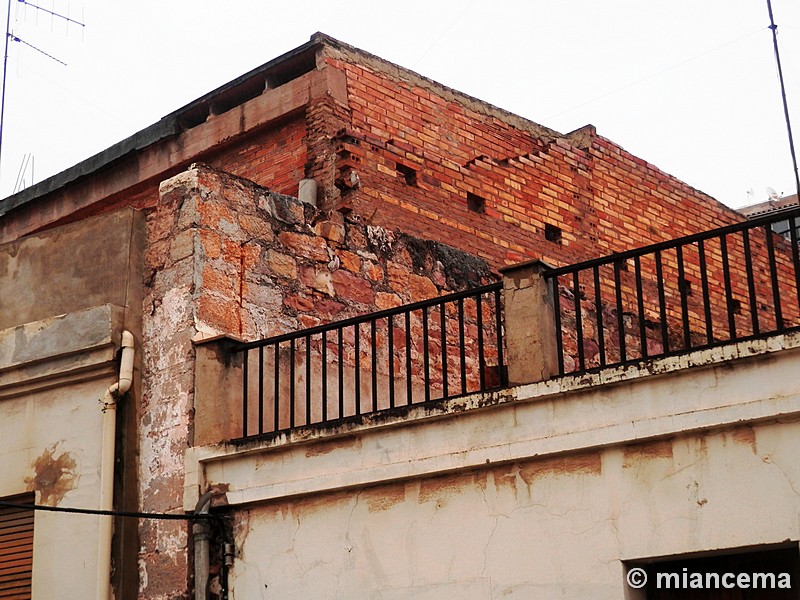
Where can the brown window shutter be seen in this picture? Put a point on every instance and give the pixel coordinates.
(16, 549)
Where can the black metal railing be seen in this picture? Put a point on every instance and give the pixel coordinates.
(733, 283)
(431, 350)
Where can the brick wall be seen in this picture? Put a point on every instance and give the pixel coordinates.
(421, 149)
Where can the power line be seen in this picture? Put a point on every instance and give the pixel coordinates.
(114, 513)
(652, 75)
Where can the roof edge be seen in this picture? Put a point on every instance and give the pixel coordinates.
(169, 126)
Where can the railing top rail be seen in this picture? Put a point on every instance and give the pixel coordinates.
(670, 244)
(373, 316)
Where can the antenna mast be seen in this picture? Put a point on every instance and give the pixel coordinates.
(11, 37)
(774, 29)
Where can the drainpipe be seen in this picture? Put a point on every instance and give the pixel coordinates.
(109, 402)
(201, 533)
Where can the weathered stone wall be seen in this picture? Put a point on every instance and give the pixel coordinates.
(227, 257)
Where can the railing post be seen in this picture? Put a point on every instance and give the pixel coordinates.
(529, 323)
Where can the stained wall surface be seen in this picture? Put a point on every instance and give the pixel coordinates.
(550, 490)
(67, 296)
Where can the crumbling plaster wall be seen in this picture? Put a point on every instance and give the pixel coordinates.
(548, 491)
(548, 528)
(226, 257)
(67, 294)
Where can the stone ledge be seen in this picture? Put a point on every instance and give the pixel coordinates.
(66, 348)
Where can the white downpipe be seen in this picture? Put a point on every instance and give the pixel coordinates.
(108, 447)
(201, 532)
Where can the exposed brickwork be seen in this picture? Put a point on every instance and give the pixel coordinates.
(601, 198)
(404, 166)
(274, 158)
(403, 152)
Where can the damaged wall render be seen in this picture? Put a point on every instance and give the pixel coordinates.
(227, 257)
(422, 190)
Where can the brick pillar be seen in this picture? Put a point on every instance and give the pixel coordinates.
(529, 323)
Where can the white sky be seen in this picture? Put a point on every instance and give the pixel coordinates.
(689, 85)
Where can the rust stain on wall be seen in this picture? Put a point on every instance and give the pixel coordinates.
(385, 497)
(54, 476)
(746, 435)
(579, 464)
(633, 455)
(328, 446)
(440, 488)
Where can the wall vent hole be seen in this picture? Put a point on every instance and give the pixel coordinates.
(475, 203)
(407, 173)
(552, 233)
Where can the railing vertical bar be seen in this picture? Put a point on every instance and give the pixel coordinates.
(701, 248)
(598, 308)
(557, 318)
(261, 389)
(426, 359)
(795, 257)
(683, 290)
(357, 371)
(308, 380)
(751, 282)
(291, 384)
(340, 382)
(481, 353)
(443, 331)
(501, 367)
(276, 390)
(245, 375)
(374, 342)
(623, 355)
(576, 297)
(390, 342)
(662, 303)
(324, 382)
(637, 267)
(726, 276)
(461, 345)
(409, 388)
(773, 270)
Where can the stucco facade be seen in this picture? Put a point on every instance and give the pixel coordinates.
(190, 236)
(550, 490)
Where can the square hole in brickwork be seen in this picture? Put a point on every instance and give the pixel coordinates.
(475, 203)
(409, 174)
(552, 233)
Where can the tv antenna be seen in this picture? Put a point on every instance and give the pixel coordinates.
(10, 37)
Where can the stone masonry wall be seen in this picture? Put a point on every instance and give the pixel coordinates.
(227, 257)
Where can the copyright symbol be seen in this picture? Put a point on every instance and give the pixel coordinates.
(637, 578)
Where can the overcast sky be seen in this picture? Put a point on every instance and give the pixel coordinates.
(689, 85)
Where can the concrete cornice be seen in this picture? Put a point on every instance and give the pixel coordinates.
(64, 349)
